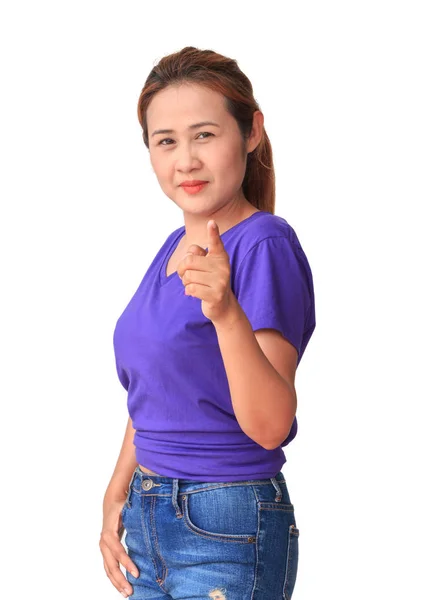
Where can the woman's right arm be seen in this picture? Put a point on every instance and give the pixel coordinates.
(114, 499)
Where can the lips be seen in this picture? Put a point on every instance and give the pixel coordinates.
(192, 183)
(193, 188)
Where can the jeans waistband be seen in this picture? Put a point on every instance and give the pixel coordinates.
(163, 485)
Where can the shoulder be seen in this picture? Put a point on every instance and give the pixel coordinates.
(174, 234)
(269, 224)
(170, 239)
(270, 248)
(264, 233)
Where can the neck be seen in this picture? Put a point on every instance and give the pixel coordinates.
(226, 217)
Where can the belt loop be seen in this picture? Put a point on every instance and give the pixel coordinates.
(128, 492)
(277, 487)
(132, 479)
(174, 498)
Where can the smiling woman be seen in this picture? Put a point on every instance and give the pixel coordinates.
(207, 349)
(209, 163)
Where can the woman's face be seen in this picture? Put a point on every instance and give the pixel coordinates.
(212, 153)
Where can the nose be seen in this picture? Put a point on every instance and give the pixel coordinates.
(186, 158)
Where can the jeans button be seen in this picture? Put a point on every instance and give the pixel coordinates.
(147, 484)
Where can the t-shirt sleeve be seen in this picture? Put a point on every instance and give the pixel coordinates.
(273, 284)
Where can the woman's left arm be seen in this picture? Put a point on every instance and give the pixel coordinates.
(260, 368)
(261, 365)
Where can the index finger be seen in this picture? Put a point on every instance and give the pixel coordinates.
(215, 243)
(117, 578)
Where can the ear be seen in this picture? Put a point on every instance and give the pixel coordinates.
(257, 131)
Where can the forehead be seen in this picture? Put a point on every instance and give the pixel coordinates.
(179, 106)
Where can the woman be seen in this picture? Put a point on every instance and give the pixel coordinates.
(207, 349)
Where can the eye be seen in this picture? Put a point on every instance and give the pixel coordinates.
(207, 133)
(165, 140)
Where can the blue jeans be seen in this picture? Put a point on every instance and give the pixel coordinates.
(210, 541)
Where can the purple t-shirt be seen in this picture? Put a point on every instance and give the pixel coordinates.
(168, 357)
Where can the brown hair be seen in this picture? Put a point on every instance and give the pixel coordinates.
(220, 74)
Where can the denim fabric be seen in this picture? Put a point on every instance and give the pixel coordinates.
(210, 540)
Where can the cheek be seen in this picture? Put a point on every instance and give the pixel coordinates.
(228, 156)
(228, 167)
(160, 167)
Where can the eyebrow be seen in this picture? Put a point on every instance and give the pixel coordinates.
(194, 126)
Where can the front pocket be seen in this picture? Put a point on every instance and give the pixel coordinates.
(227, 513)
(292, 562)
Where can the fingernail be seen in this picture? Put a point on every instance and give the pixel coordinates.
(134, 573)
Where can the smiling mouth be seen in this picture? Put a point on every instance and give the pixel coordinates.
(193, 189)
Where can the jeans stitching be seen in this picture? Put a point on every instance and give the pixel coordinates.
(155, 539)
(244, 538)
(265, 505)
(293, 533)
(151, 525)
(258, 530)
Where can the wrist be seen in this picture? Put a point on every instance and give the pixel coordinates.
(114, 497)
(232, 315)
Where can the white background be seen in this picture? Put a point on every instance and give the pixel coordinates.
(82, 216)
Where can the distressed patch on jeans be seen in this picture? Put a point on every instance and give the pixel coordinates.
(218, 594)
